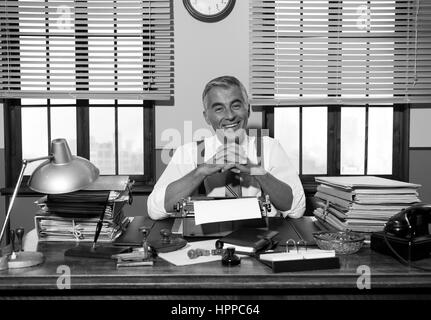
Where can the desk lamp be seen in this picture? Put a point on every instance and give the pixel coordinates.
(60, 173)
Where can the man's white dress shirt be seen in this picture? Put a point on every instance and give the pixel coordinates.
(274, 161)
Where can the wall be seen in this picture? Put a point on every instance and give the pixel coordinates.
(203, 51)
(420, 151)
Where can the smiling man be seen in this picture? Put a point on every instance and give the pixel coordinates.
(230, 163)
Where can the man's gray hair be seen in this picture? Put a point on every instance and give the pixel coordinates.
(225, 82)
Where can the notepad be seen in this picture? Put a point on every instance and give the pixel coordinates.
(298, 255)
(301, 260)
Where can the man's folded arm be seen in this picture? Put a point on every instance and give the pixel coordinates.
(297, 209)
(155, 207)
(285, 192)
(280, 193)
(281, 168)
(182, 188)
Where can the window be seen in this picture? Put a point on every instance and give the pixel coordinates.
(362, 131)
(89, 71)
(335, 79)
(118, 137)
(338, 140)
(364, 137)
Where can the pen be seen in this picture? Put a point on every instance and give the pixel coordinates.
(126, 223)
(98, 229)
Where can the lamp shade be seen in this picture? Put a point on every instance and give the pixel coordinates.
(63, 172)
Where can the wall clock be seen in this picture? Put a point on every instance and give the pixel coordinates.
(209, 10)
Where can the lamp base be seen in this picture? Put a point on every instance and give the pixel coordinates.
(103, 252)
(21, 259)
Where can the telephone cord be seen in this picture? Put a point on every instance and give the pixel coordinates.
(401, 259)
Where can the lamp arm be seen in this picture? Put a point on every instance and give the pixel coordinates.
(37, 159)
(15, 191)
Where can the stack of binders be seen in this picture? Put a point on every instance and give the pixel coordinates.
(361, 203)
(74, 216)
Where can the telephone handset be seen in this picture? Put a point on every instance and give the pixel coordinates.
(412, 222)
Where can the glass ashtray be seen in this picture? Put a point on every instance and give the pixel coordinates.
(343, 242)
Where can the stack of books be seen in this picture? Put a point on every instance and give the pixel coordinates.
(74, 216)
(361, 203)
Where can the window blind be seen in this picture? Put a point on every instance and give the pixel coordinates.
(315, 52)
(121, 49)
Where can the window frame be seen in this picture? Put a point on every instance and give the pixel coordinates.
(400, 144)
(13, 140)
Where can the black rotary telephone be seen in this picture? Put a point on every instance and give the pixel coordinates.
(406, 235)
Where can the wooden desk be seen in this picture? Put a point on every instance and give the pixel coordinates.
(251, 279)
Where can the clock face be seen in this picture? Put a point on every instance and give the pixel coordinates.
(209, 7)
(209, 10)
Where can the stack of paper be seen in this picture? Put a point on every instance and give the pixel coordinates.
(74, 216)
(298, 255)
(362, 203)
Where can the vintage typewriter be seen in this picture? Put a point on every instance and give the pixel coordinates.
(185, 226)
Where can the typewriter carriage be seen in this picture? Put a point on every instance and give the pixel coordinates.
(184, 224)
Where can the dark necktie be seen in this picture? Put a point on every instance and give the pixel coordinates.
(233, 185)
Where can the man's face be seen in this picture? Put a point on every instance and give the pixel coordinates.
(227, 112)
